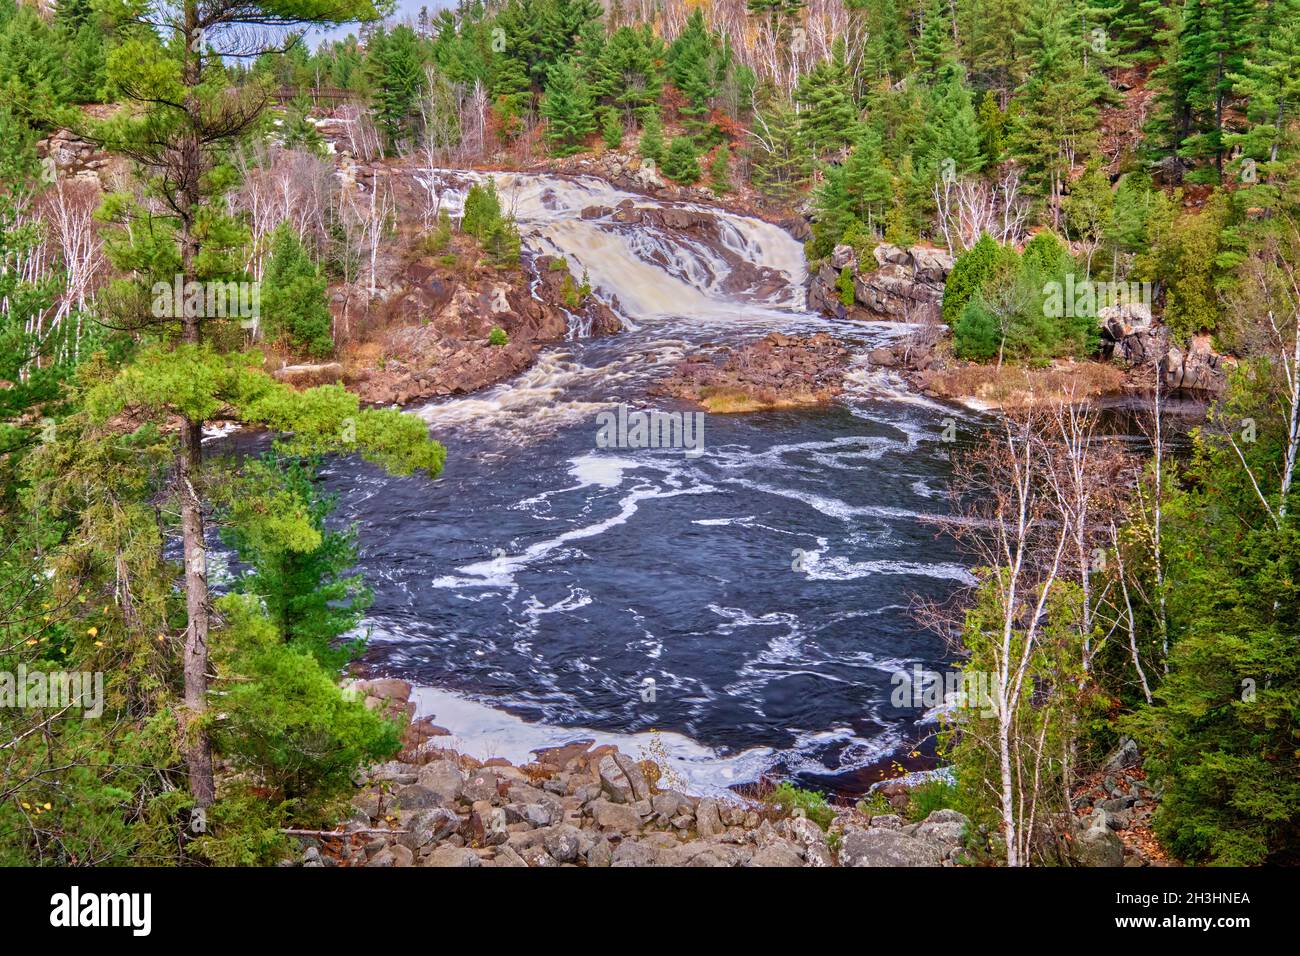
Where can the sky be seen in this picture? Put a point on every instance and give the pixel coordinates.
(406, 9)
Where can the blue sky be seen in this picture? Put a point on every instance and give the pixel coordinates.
(405, 9)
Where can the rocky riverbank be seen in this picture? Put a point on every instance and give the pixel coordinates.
(579, 805)
(438, 339)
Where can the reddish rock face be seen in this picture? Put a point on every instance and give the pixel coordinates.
(448, 353)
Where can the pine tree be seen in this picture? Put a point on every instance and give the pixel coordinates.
(693, 65)
(885, 40)
(611, 129)
(182, 122)
(568, 108)
(989, 29)
(949, 144)
(512, 92)
(779, 165)
(399, 80)
(1270, 81)
(293, 299)
(630, 62)
(1055, 125)
(829, 114)
(935, 47)
(680, 164)
(1208, 49)
(652, 136)
(720, 170)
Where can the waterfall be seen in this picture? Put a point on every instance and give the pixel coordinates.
(640, 269)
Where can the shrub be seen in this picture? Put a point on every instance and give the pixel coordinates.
(847, 293)
(680, 164)
(788, 798)
(933, 794)
(285, 722)
(973, 268)
(977, 335)
(497, 336)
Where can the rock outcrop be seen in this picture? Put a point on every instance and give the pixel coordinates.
(778, 371)
(899, 285)
(1130, 335)
(446, 349)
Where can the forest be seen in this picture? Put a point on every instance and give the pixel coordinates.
(1150, 596)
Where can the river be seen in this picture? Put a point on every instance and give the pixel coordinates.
(750, 605)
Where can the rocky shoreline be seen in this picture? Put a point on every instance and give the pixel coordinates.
(580, 805)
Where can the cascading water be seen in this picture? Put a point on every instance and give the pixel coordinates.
(749, 604)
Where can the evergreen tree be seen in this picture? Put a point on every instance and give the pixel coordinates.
(1056, 113)
(885, 40)
(652, 136)
(779, 165)
(693, 60)
(568, 108)
(949, 144)
(935, 47)
(399, 81)
(1270, 81)
(829, 114)
(293, 297)
(611, 129)
(680, 164)
(720, 170)
(630, 63)
(297, 568)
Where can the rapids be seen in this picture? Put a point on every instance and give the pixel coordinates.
(750, 605)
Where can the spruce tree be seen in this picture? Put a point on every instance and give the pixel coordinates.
(1055, 125)
(652, 136)
(720, 170)
(568, 108)
(779, 164)
(399, 80)
(935, 46)
(680, 163)
(829, 114)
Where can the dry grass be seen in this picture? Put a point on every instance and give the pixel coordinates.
(726, 401)
(1017, 386)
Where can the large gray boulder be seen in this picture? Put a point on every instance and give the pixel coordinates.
(1098, 846)
(886, 848)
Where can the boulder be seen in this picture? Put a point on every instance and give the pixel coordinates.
(615, 816)
(564, 843)
(1098, 846)
(885, 848)
(1123, 757)
(453, 856)
(944, 830)
(444, 779)
(707, 820)
(429, 826)
(778, 853)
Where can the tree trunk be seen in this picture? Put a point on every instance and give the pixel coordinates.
(198, 747)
